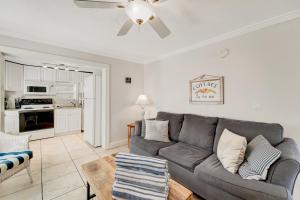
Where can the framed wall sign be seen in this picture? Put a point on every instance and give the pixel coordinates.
(207, 89)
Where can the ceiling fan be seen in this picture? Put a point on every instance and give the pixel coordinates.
(138, 11)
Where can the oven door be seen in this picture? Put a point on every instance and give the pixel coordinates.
(36, 120)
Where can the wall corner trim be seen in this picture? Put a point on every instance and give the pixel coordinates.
(238, 32)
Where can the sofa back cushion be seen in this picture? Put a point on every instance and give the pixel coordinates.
(272, 132)
(175, 123)
(198, 131)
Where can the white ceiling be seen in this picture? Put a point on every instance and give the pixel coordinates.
(61, 23)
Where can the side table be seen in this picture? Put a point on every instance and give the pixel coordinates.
(130, 127)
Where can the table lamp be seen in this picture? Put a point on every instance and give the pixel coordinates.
(142, 101)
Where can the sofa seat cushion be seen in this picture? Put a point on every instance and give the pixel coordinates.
(150, 146)
(185, 155)
(175, 123)
(212, 172)
(10, 160)
(198, 131)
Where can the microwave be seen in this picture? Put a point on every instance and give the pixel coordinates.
(31, 88)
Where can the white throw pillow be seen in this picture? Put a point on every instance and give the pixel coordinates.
(157, 130)
(231, 150)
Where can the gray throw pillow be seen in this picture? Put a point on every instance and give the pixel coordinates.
(260, 156)
(175, 123)
(157, 130)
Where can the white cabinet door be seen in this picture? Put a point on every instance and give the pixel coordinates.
(67, 120)
(61, 121)
(84, 75)
(75, 77)
(32, 73)
(74, 120)
(48, 75)
(62, 76)
(11, 122)
(81, 82)
(13, 77)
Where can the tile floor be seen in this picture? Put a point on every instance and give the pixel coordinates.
(56, 169)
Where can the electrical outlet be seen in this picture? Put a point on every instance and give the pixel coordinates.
(128, 80)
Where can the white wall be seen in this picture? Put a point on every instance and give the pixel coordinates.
(122, 96)
(2, 72)
(262, 78)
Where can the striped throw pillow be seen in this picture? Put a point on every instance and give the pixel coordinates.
(258, 161)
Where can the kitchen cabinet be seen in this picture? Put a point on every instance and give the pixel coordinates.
(62, 76)
(74, 120)
(14, 77)
(11, 122)
(80, 85)
(48, 75)
(32, 73)
(75, 77)
(60, 121)
(67, 120)
(85, 75)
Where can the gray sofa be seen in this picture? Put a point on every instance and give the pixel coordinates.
(193, 162)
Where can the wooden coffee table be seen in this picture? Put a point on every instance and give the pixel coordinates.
(100, 177)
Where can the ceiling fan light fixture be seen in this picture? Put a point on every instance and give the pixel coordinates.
(139, 11)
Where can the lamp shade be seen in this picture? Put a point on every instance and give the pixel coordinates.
(139, 11)
(142, 100)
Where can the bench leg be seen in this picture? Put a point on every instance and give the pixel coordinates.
(88, 192)
(29, 173)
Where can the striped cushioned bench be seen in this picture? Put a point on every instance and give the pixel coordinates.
(11, 160)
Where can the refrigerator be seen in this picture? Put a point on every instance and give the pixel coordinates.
(92, 110)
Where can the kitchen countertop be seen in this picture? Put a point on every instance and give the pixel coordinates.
(66, 107)
(11, 109)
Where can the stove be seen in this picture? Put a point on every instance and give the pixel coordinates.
(36, 104)
(36, 114)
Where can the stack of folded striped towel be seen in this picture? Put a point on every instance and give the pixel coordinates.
(140, 178)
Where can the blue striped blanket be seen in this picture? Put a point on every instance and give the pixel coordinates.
(143, 179)
(122, 191)
(140, 178)
(142, 163)
(9, 160)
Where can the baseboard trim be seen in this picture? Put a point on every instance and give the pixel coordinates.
(117, 143)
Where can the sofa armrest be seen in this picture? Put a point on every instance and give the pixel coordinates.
(10, 143)
(138, 128)
(285, 170)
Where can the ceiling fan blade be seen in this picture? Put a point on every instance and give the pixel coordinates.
(157, 1)
(159, 26)
(125, 28)
(99, 4)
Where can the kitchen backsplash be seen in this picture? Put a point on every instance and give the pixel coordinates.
(58, 101)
